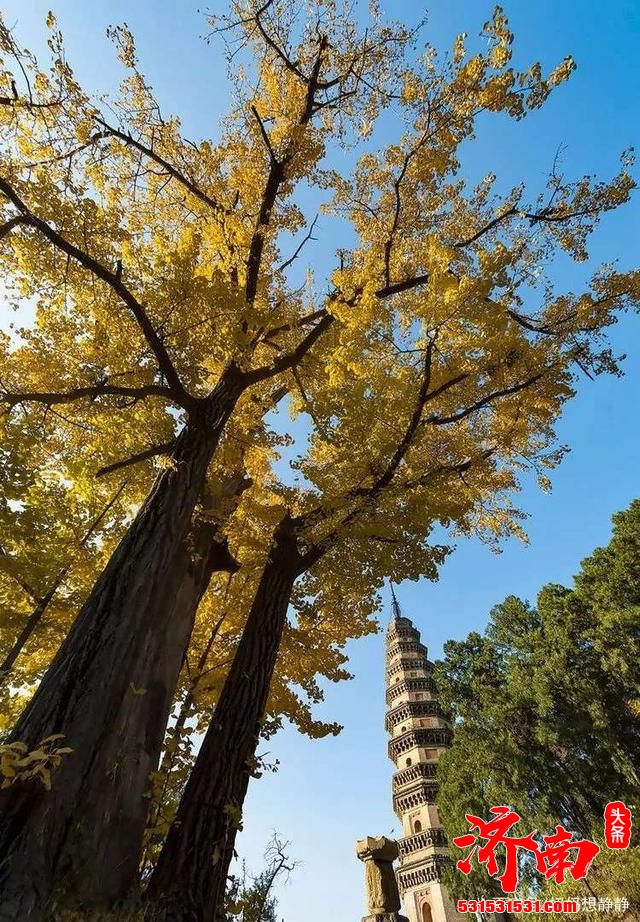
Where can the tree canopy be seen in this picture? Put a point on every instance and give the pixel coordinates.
(545, 707)
(430, 366)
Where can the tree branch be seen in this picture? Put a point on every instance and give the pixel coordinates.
(94, 391)
(221, 210)
(26, 587)
(546, 215)
(164, 448)
(459, 468)
(309, 236)
(265, 136)
(43, 602)
(290, 359)
(9, 225)
(303, 321)
(381, 482)
(316, 551)
(275, 178)
(114, 282)
(396, 287)
(405, 441)
(288, 63)
(489, 398)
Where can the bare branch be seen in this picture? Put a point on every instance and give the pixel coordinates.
(265, 135)
(309, 236)
(395, 288)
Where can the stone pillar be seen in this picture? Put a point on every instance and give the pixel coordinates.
(383, 899)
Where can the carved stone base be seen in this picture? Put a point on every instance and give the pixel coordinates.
(387, 917)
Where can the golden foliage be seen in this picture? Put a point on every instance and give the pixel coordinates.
(428, 368)
(17, 763)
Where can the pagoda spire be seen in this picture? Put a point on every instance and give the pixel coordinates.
(395, 605)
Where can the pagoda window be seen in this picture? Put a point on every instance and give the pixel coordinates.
(417, 826)
(408, 763)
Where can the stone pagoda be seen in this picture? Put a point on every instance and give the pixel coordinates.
(419, 734)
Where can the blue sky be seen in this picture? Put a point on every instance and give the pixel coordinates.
(329, 793)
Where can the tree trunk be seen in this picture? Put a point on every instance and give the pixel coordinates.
(103, 862)
(86, 693)
(168, 760)
(188, 883)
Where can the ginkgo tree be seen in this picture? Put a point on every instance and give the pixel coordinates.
(425, 415)
(165, 312)
(308, 653)
(102, 226)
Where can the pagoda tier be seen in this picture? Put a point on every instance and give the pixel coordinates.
(419, 733)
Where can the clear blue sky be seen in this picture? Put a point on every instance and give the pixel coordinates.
(329, 793)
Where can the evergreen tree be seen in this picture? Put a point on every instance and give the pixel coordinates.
(545, 706)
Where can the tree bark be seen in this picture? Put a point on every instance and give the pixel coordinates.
(86, 693)
(189, 880)
(104, 861)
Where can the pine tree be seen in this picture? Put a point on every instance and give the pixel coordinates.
(545, 708)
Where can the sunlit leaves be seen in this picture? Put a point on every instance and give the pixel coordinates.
(446, 359)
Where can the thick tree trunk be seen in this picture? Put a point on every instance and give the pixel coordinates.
(103, 861)
(189, 880)
(87, 690)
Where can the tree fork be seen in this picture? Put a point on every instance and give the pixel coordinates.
(87, 689)
(190, 877)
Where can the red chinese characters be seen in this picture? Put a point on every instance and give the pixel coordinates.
(558, 854)
(617, 825)
(563, 853)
